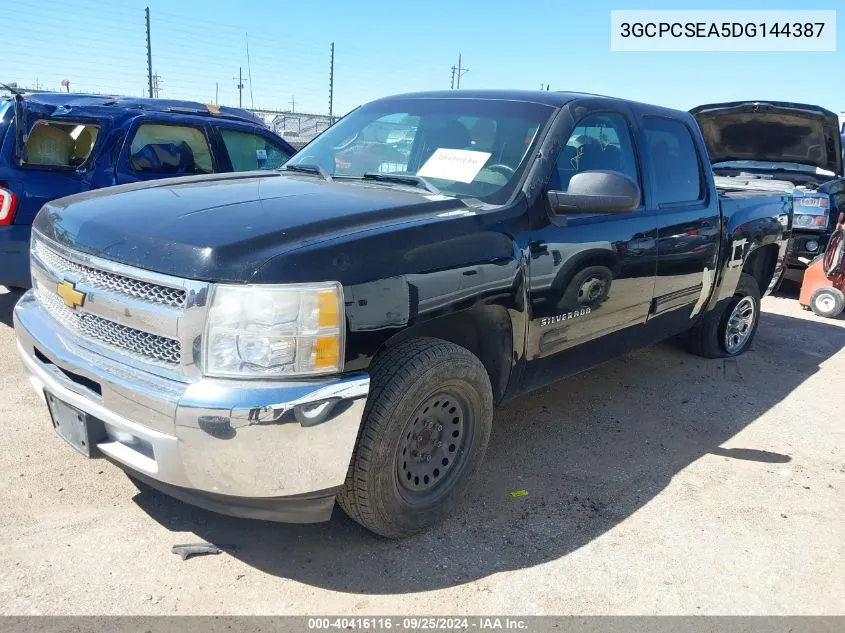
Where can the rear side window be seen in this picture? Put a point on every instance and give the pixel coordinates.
(674, 161)
(170, 149)
(250, 152)
(60, 144)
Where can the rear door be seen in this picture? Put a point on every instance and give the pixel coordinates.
(165, 148)
(54, 157)
(689, 227)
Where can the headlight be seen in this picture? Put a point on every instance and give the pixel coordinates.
(808, 221)
(274, 331)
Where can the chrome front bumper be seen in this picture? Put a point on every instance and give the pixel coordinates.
(225, 439)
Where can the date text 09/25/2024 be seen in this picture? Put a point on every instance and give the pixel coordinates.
(417, 623)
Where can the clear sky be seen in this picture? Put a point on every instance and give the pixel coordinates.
(381, 48)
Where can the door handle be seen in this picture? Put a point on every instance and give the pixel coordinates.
(538, 247)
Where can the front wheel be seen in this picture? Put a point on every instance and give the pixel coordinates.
(424, 434)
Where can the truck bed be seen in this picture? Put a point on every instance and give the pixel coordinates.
(757, 203)
(747, 183)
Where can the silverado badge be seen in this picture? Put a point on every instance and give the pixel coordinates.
(565, 317)
(70, 295)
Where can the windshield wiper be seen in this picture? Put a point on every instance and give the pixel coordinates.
(405, 179)
(307, 168)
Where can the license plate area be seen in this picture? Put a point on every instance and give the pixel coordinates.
(74, 426)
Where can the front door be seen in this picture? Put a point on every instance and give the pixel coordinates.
(591, 275)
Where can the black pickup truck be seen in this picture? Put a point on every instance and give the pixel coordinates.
(264, 344)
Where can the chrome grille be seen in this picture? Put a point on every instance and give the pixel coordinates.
(142, 345)
(126, 286)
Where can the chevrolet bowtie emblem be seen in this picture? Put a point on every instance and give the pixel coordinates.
(70, 295)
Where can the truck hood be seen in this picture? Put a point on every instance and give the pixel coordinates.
(771, 131)
(223, 228)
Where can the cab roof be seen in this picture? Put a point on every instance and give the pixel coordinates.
(115, 106)
(545, 97)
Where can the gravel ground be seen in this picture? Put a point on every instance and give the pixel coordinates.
(658, 483)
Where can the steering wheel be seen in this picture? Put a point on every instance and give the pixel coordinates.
(505, 170)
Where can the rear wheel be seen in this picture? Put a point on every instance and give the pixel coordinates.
(827, 302)
(424, 434)
(729, 331)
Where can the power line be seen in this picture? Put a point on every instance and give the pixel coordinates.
(249, 71)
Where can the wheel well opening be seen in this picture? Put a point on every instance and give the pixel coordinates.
(485, 331)
(761, 265)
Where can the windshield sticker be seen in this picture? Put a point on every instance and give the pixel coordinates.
(460, 165)
(392, 168)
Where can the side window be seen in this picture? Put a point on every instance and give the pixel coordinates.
(674, 161)
(63, 145)
(170, 149)
(598, 142)
(250, 152)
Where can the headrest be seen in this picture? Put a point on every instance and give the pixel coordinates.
(49, 145)
(164, 158)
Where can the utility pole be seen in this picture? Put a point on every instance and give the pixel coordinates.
(156, 85)
(292, 104)
(149, 55)
(216, 93)
(240, 86)
(331, 86)
(457, 73)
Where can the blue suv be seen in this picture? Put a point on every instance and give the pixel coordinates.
(57, 144)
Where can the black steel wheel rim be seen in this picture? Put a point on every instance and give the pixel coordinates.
(433, 448)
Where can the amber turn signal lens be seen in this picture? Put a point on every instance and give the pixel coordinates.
(327, 352)
(328, 307)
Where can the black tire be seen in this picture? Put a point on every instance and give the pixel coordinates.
(588, 288)
(403, 380)
(708, 337)
(827, 302)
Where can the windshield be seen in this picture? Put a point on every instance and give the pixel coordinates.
(469, 148)
(771, 166)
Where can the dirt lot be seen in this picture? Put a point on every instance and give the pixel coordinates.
(658, 483)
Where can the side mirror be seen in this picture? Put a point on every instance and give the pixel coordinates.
(597, 192)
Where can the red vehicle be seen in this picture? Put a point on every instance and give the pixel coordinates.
(823, 289)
